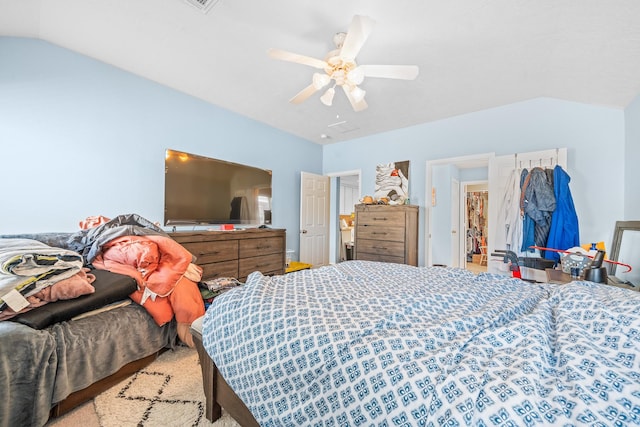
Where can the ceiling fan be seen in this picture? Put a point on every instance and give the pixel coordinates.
(340, 66)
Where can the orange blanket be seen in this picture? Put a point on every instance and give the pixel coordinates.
(158, 264)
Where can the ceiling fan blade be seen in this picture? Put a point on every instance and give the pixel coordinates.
(358, 32)
(294, 57)
(357, 106)
(303, 94)
(404, 72)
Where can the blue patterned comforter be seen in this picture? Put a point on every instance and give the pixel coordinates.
(363, 343)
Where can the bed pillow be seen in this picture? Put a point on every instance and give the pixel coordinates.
(109, 288)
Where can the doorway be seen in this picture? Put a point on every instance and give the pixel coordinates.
(475, 212)
(445, 232)
(346, 186)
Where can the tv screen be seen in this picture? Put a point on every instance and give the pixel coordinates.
(202, 190)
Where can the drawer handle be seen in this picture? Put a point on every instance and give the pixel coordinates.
(377, 232)
(380, 219)
(263, 247)
(209, 253)
(380, 247)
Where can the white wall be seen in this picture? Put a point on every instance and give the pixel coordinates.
(593, 135)
(82, 138)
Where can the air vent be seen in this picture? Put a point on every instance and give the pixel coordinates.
(342, 127)
(203, 5)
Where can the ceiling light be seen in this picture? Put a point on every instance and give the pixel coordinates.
(320, 80)
(358, 94)
(327, 98)
(356, 76)
(340, 66)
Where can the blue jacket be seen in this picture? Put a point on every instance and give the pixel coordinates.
(564, 222)
(538, 202)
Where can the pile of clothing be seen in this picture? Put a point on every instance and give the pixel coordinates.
(547, 212)
(164, 270)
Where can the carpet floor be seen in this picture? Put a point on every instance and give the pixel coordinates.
(168, 392)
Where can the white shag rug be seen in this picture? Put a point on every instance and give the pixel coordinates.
(168, 392)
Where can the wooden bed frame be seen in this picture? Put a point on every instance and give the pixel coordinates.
(79, 397)
(217, 392)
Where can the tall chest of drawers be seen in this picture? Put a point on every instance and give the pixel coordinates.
(236, 253)
(387, 233)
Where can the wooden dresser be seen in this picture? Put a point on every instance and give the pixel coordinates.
(387, 233)
(236, 253)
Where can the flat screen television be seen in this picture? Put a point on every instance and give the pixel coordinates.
(200, 190)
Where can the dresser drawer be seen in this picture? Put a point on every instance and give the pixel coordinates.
(255, 247)
(395, 234)
(380, 247)
(381, 257)
(386, 218)
(214, 251)
(266, 264)
(220, 269)
(236, 253)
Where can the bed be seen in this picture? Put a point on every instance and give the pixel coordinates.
(47, 367)
(367, 343)
(60, 354)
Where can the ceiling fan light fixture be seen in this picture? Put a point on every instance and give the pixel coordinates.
(340, 66)
(320, 80)
(356, 76)
(327, 98)
(358, 94)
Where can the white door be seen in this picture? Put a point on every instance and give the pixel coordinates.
(501, 170)
(455, 223)
(314, 219)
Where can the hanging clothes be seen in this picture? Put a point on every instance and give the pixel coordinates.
(510, 213)
(537, 202)
(564, 232)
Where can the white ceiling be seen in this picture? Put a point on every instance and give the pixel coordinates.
(472, 54)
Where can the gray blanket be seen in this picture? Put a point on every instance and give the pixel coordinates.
(28, 362)
(39, 368)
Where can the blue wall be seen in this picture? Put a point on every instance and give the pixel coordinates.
(594, 137)
(82, 138)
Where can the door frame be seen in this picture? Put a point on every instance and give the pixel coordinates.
(334, 210)
(462, 162)
(456, 211)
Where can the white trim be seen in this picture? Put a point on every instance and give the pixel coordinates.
(351, 172)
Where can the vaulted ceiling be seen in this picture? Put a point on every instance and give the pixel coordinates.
(472, 54)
